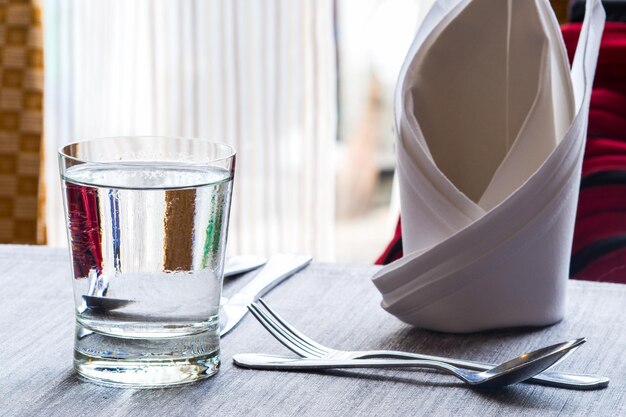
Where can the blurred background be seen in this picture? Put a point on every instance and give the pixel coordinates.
(373, 37)
(302, 89)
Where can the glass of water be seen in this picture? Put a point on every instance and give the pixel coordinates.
(147, 220)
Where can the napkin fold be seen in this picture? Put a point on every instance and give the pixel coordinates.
(491, 128)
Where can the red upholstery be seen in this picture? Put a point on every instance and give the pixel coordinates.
(599, 248)
(393, 251)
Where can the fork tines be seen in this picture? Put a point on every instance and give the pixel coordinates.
(284, 332)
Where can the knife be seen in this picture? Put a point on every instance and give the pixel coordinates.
(275, 271)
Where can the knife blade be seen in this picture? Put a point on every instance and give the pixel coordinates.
(275, 271)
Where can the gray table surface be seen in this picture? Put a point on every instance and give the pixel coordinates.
(336, 304)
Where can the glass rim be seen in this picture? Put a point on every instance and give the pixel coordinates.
(62, 151)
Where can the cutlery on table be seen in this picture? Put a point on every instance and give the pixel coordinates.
(275, 271)
(240, 264)
(95, 300)
(306, 347)
(510, 372)
(233, 266)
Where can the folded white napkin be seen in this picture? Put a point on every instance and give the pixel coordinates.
(491, 131)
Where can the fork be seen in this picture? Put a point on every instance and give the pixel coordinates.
(306, 347)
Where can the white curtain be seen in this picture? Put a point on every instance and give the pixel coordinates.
(259, 75)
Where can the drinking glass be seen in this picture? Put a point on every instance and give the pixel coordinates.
(147, 221)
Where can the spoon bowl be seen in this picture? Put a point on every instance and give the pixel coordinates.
(527, 365)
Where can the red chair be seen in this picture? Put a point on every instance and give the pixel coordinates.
(599, 248)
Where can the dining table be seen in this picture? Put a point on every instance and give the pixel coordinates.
(335, 304)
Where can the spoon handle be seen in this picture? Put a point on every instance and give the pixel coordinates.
(549, 378)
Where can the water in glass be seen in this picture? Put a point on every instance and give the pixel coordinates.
(149, 238)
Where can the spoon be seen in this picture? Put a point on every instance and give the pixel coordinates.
(235, 265)
(510, 372)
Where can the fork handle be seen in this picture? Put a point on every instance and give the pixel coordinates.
(277, 363)
(550, 378)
